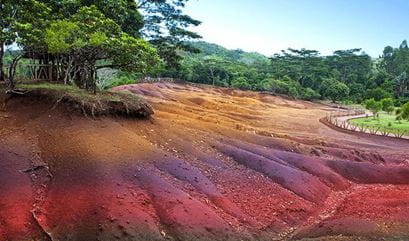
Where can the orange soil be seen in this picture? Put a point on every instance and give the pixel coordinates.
(212, 164)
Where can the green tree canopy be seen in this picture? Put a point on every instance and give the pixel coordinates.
(388, 105)
(334, 90)
(89, 36)
(405, 111)
(373, 105)
(167, 27)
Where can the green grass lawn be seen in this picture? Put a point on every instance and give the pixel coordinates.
(385, 122)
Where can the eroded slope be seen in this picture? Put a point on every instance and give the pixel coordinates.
(212, 164)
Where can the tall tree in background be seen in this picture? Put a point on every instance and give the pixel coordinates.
(166, 27)
(351, 66)
(21, 23)
(8, 18)
(395, 62)
(305, 66)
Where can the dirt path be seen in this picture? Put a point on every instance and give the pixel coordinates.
(212, 164)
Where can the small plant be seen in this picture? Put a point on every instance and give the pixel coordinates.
(399, 119)
(405, 111)
(374, 106)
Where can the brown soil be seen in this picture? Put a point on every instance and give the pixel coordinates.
(212, 164)
(107, 103)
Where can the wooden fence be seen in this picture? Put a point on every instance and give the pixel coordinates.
(159, 80)
(333, 119)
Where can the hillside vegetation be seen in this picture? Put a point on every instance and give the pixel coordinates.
(83, 42)
(346, 75)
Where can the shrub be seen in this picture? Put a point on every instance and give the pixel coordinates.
(388, 105)
(401, 101)
(374, 106)
(241, 83)
(310, 94)
(277, 86)
(285, 86)
(405, 111)
(293, 92)
(334, 90)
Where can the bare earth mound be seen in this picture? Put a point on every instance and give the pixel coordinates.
(212, 164)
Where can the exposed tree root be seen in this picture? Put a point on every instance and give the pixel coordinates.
(17, 92)
(89, 105)
(58, 101)
(83, 109)
(34, 168)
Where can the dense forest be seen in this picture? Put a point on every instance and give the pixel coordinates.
(346, 75)
(99, 44)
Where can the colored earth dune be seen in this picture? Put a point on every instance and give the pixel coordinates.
(211, 164)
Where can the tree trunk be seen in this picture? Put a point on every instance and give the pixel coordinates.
(11, 83)
(67, 77)
(2, 74)
(88, 76)
(212, 75)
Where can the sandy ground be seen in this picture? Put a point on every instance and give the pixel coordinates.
(211, 164)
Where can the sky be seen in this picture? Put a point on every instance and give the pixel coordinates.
(268, 26)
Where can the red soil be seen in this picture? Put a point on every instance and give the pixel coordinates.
(212, 164)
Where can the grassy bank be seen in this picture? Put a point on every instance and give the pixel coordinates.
(101, 103)
(385, 122)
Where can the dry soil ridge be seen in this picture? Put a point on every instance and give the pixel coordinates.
(212, 164)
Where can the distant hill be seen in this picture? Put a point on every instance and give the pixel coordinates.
(236, 55)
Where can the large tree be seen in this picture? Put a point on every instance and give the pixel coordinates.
(88, 36)
(334, 90)
(21, 22)
(123, 12)
(305, 66)
(79, 37)
(8, 18)
(395, 62)
(167, 27)
(351, 66)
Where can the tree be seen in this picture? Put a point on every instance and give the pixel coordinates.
(125, 13)
(304, 66)
(167, 28)
(214, 65)
(401, 84)
(374, 106)
(388, 105)
(241, 83)
(378, 94)
(21, 22)
(352, 65)
(309, 94)
(334, 90)
(405, 111)
(8, 16)
(89, 36)
(357, 92)
(398, 115)
(395, 62)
